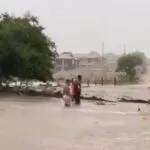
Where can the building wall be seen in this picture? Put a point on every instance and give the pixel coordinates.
(66, 64)
(89, 61)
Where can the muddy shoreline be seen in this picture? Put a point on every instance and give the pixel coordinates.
(56, 92)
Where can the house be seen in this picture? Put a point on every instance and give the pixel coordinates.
(88, 59)
(66, 61)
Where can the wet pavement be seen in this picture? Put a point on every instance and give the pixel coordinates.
(44, 124)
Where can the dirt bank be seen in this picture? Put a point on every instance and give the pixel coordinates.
(128, 94)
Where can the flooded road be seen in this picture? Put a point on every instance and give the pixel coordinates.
(47, 125)
(110, 92)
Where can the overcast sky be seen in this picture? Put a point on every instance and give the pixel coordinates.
(81, 25)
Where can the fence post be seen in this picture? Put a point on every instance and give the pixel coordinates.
(115, 81)
(95, 82)
(102, 81)
(88, 83)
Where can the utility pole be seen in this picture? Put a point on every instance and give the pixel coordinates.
(103, 48)
(124, 49)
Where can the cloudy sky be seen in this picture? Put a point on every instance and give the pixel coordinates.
(82, 25)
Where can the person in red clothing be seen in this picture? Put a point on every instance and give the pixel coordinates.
(72, 89)
(77, 90)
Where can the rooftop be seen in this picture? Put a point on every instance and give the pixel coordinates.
(66, 55)
(91, 54)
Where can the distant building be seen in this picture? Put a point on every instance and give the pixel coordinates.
(66, 61)
(89, 58)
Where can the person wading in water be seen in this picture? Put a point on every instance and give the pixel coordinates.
(67, 94)
(72, 89)
(77, 90)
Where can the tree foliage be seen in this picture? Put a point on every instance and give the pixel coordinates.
(25, 51)
(128, 63)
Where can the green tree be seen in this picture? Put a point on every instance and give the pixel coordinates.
(128, 63)
(25, 51)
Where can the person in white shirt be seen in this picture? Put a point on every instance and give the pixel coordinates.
(67, 94)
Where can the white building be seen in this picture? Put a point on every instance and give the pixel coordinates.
(66, 61)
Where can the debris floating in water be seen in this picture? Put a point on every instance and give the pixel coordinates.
(139, 109)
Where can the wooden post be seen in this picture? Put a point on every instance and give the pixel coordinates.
(115, 81)
(102, 81)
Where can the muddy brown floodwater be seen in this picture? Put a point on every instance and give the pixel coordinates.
(109, 92)
(44, 124)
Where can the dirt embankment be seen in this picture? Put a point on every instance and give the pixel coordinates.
(32, 91)
(106, 94)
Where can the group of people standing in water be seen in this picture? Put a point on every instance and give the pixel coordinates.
(72, 91)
